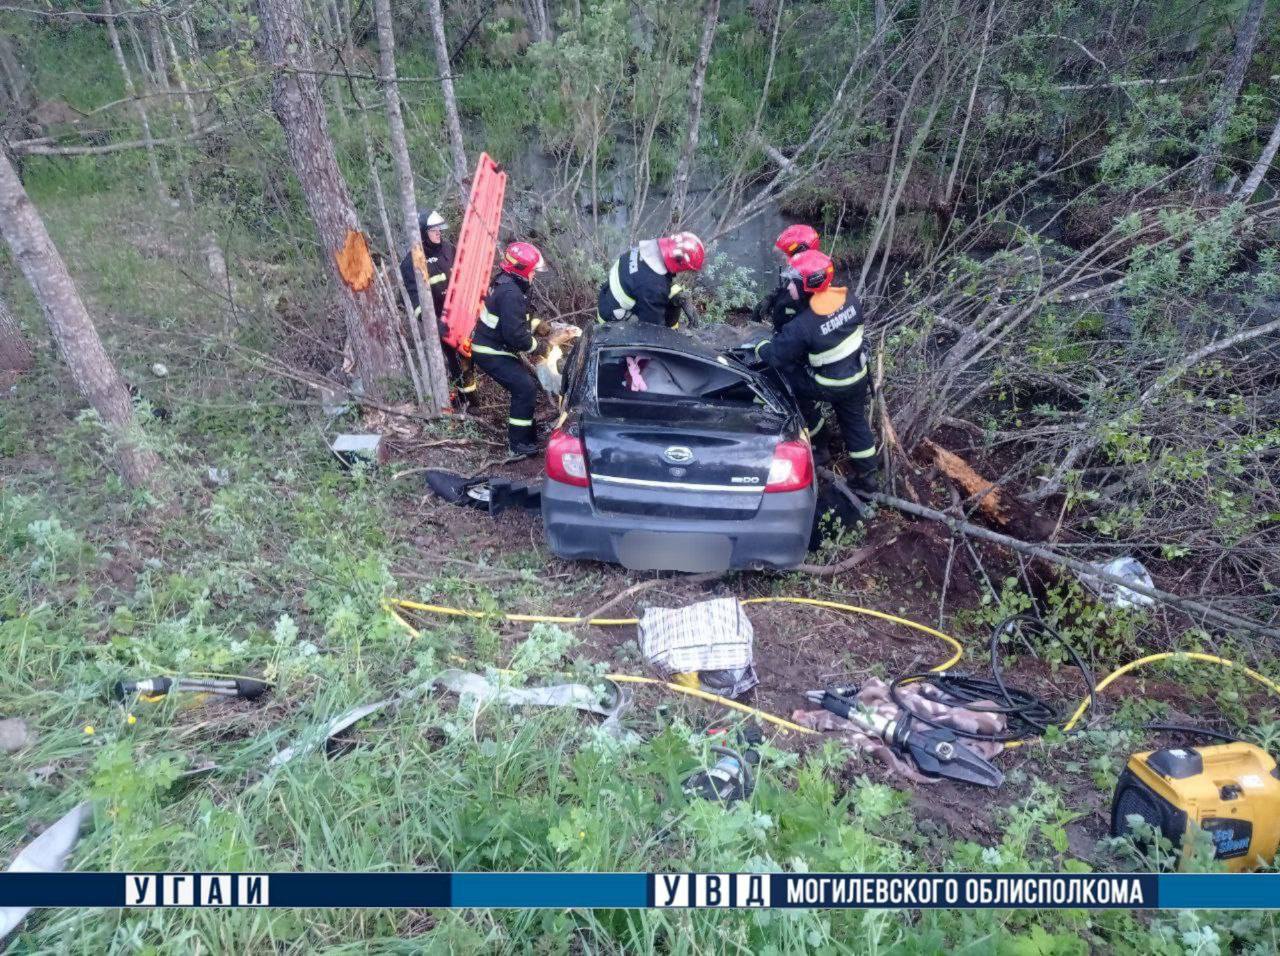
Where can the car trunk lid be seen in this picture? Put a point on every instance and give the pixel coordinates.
(680, 459)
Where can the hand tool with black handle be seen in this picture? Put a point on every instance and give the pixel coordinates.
(935, 750)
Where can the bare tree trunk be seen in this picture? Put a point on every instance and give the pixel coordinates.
(684, 168)
(436, 16)
(416, 362)
(535, 12)
(297, 103)
(213, 256)
(131, 91)
(91, 368)
(158, 66)
(340, 42)
(1246, 40)
(968, 113)
(189, 36)
(1259, 171)
(15, 353)
(139, 51)
(19, 89)
(437, 379)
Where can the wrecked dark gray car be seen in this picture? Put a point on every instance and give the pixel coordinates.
(671, 456)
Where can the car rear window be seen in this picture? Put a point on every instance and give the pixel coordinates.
(646, 375)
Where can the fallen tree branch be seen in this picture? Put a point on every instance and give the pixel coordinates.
(831, 570)
(1186, 605)
(640, 586)
(1153, 391)
(41, 147)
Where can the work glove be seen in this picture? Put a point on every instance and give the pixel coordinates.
(686, 306)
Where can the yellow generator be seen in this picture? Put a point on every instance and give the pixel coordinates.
(1231, 791)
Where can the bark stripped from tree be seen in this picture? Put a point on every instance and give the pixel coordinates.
(684, 168)
(15, 353)
(91, 368)
(298, 106)
(1246, 40)
(436, 16)
(426, 339)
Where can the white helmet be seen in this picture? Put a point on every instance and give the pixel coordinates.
(431, 220)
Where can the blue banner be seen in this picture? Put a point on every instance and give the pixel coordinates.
(642, 890)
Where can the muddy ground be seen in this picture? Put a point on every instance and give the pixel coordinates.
(796, 647)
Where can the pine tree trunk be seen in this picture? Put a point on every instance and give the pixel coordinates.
(298, 106)
(15, 353)
(437, 379)
(132, 92)
(436, 16)
(684, 168)
(1246, 40)
(91, 368)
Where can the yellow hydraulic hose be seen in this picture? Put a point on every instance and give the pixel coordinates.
(715, 699)
(630, 678)
(956, 646)
(1170, 655)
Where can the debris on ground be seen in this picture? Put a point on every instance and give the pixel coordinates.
(873, 699)
(707, 644)
(353, 448)
(732, 777)
(242, 688)
(47, 853)
(1127, 569)
(14, 735)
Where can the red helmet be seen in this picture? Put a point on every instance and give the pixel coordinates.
(682, 252)
(813, 270)
(522, 259)
(797, 239)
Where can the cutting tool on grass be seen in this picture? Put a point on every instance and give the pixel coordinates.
(936, 751)
(245, 688)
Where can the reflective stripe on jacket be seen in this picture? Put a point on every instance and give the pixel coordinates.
(635, 289)
(504, 327)
(826, 337)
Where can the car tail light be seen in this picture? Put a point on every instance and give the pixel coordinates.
(792, 467)
(566, 460)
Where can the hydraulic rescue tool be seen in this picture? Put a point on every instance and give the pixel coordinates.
(243, 687)
(936, 751)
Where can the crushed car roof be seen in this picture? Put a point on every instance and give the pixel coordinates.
(641, 334)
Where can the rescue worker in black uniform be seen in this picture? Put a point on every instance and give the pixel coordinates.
(820, 354)
(778, 307)
(439, 256)
(642, 284)
(504, 335)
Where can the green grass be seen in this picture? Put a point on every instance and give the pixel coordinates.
(282, 571)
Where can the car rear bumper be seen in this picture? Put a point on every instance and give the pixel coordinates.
(777, 536)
